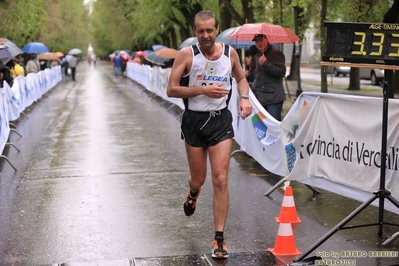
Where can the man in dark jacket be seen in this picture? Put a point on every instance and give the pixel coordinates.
(270, 71)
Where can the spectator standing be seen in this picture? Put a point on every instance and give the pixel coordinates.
(270, 71)
(250, 66)
(73, 62)
(123, 66)
(94, 58)
(54, 63)
(6, 76)
(17, 70)
(65, 66)
(33, 65)
(117, 61)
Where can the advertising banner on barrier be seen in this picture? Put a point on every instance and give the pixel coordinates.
(338, 138)
(258, 135)
(330, 141)
(13, 104)
(4, 123)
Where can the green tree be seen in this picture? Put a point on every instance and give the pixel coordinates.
(60, 25)
(65, 26)
(21, 20)
(110, 26)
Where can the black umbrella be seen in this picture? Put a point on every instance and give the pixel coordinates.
(158, 60)
(187, 42)
(8, 50)
(162, 56)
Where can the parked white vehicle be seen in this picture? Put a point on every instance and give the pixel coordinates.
(338, 70)
(373, 74)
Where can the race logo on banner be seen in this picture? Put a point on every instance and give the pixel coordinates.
(290, 149)
(260, 129)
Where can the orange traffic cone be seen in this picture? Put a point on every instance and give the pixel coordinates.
(285, 242)
(288, 212)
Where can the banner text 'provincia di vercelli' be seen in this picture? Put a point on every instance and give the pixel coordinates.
(352, 151)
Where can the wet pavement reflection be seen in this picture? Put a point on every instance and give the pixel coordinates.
(102, 175)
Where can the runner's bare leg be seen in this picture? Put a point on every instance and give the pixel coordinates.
(219, 156)
(197, 162)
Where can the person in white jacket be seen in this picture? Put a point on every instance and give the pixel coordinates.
(73, 62)
(33, 65)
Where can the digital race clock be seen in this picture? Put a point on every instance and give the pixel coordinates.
(362, 43)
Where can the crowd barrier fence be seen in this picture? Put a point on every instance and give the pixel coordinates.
(21, 95)
(261, 137)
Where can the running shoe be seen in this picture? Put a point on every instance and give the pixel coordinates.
(219, 249)
(190, 203)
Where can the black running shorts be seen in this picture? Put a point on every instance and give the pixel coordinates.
(204, 129)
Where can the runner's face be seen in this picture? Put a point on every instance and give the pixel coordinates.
(206, 32)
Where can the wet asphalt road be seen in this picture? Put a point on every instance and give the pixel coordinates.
(102, 175)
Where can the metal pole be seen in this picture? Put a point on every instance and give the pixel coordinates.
(297, 54)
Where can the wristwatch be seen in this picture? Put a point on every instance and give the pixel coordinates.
(244, 96)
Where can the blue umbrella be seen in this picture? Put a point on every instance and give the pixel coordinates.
(158, 46)
(35, 48)
(224, 37)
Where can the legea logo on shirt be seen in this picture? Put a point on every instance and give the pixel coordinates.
(213, 78)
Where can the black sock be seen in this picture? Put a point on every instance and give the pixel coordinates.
(218, 234)
(193, 194)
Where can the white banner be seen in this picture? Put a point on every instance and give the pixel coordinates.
(338, 138)
(330, 141)
(24, 91)
(4, 123)
(13, 104)
(259, 134)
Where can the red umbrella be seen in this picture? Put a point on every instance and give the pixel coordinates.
(141, 53)
(292, 34)
(124, 54)
(274, 33)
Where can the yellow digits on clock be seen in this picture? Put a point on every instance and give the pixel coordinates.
(378, 44)
(360, 43)
(395, 45)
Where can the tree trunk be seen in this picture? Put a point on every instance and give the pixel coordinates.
(323, 47)
(294, 64)
(232, 12)
(225, 16)
(248, 11)
(354, 79)
(296, 53)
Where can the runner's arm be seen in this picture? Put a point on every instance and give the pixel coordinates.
(181, 66)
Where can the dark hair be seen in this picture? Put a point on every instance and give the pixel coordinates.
(7, 75)
(248, 53)
(10, 64)
(204, 15)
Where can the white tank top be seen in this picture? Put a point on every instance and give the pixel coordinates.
(206, 72)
